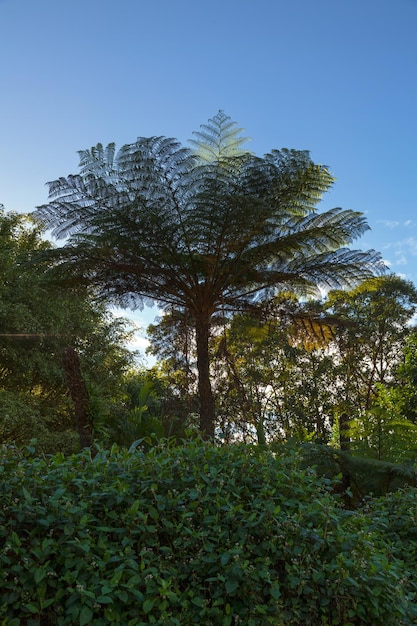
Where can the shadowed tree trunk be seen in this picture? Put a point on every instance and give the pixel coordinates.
(344, 440)
(202, 327)
(344, 432)
(79, 396)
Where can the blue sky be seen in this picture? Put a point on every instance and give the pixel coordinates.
(338, 78)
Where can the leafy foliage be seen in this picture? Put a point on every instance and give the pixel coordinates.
(189, 535)
(397, 514)
(267, 381)
(149, 412)
(366, 476)
(398, 399)
(218, 139)
(295, 367)
(373, 324)
(38, 319)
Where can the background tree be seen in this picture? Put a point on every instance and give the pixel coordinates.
(372, 324)
(38, 319)
(272, 375)
(298, 366)
(172, 342)
(204, 230)
(388, 431)
(406, 401)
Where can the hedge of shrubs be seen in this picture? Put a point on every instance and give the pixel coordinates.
(195, 534)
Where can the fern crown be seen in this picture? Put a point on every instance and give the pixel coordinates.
(219, 139)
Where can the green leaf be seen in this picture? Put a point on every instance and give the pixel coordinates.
(134, 508)
(15, 539)
(275, 591)
(27, 495)
(58, 493)
(231, 586)
(86, 616)
(39, 575)
(148, 605)
(122, 595)
(104, 599)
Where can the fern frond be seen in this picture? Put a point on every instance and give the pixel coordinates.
(98, 161)
(73, 204)
(219, 139)
(310, 332)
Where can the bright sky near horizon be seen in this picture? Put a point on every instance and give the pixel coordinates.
(338, 78)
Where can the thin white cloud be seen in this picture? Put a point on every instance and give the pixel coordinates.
(395, 223)
(400, 258)
(139, 343)
(389, 223)
(411, 245)
(403, 246)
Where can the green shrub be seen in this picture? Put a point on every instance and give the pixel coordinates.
(395, 516)
(188, 535)
(24, 416)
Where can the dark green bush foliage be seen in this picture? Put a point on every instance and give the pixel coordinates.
(366, 476)
(188, 535)
(396, 515)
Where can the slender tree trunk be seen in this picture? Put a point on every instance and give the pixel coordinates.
(344, 437)
(79, 396)
(202, 327)
(260, 432)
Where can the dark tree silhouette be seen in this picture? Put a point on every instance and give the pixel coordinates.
(79, 396)
(208, 229)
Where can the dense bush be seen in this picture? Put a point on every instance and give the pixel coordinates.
(188, 535)
(396, 515)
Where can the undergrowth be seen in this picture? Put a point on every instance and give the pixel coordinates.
(194, 534)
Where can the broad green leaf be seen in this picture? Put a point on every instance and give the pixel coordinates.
(86, 615)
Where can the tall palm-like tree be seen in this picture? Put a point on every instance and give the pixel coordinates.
(204, 229)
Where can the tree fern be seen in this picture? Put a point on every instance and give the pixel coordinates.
(205, 229)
